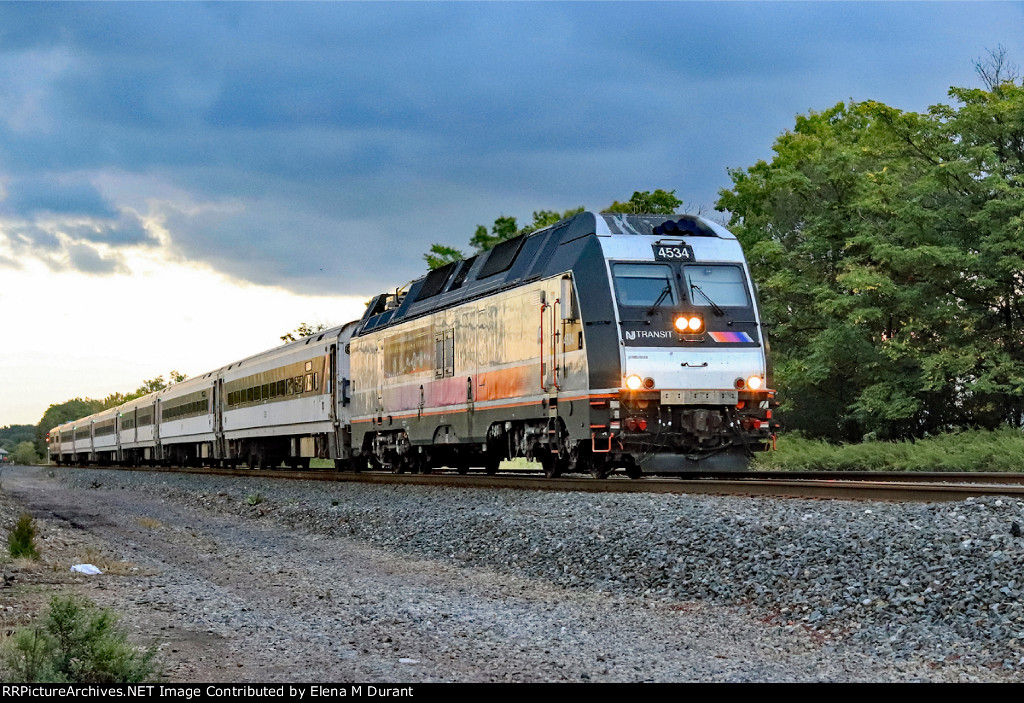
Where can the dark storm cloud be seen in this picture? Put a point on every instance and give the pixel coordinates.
(124, 230)
(70, 244)
(312, 143)
(47, 194)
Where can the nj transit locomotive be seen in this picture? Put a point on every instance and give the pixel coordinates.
(602, 342)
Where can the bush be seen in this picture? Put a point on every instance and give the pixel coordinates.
(25, 453)
(975, 450)
(78, 642)
(22, 540)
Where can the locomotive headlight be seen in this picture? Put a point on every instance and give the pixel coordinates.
(754, 383)
(689, 324)
(633, 382)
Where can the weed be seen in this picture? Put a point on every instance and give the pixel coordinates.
(22, 540)
(254, 499)
(148, 522)
(77, 642)
(109, 565)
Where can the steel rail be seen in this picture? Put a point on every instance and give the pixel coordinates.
(884, 487)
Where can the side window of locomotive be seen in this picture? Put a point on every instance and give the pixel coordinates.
(645, 284)
(449, 353)
(724, 285)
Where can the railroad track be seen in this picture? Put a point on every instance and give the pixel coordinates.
(902, 487)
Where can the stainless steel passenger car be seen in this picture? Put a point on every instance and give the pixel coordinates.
(289, 404)
(187, 420)
(604, 341)
(137, 431)
(283, 406)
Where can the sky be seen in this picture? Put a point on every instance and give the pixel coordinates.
(183, 183)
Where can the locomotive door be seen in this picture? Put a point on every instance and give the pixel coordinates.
(380, 381)
(550, 345)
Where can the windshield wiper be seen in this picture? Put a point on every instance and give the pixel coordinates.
(714, 306)
(665, 291)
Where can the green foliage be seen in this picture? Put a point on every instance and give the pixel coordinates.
(25, 453)
(303, 330)
(254, 498)
(502, 229)
(889, 248)
(972, 450)
(439, 255)
(147, 387)
(60, 413)
(21, 542)
(77, 408)
(77, 642)
(659, 202)
(13, 435)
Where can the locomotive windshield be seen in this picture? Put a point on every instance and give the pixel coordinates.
(645, 285)
(716, 285)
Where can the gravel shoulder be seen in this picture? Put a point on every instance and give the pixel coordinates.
(262, 580)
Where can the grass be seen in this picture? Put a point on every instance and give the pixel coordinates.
(76, 642)
(974, 450)
(110, 566)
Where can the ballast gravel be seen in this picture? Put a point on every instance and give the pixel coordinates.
(306, 581)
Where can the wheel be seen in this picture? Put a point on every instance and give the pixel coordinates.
(491, 464)
(632, 469)
(552, 467)
(599, 467)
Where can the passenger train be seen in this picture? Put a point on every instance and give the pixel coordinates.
(603, 342)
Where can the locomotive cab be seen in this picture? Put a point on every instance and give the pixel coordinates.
(695, 385)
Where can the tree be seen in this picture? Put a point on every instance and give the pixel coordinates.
(25, 453)
(659, 202)
(13, 435)
(439, 255)
(304, 330)
(60, 413)
(504, 228)
(996, 70)
(889, 249)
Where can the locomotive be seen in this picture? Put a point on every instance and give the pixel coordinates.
(603, 342)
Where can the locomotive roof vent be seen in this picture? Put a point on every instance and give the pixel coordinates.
(684, 226)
